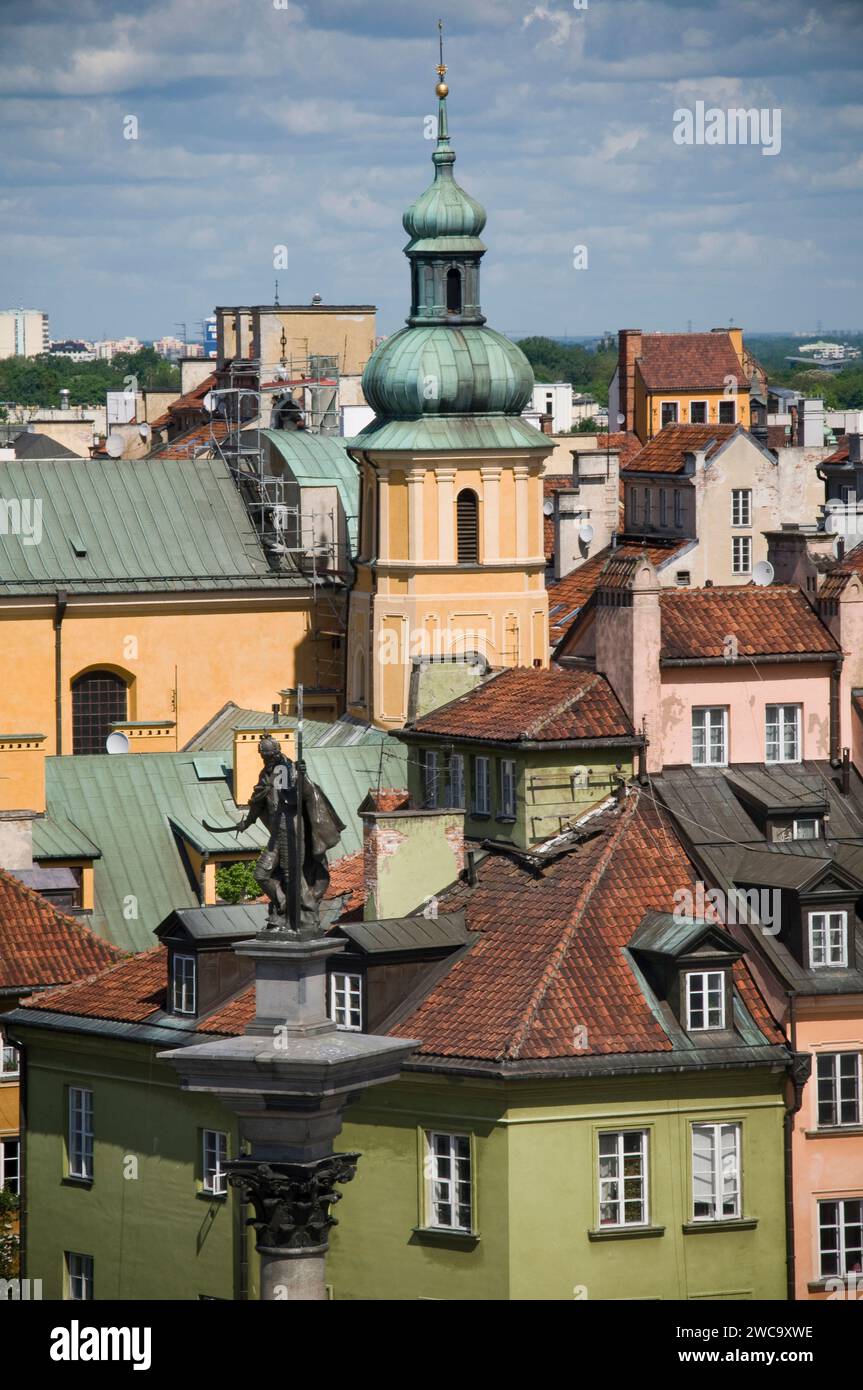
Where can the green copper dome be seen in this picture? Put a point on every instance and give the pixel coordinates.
(446, 362)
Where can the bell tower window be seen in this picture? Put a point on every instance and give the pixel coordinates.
(467, 527)
(453, 291)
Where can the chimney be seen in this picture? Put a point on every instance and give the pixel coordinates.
(247, 759)
(628, 350)
(569, 519)
(546, 424)
(16, 839)
(407, 853)
(64, 398)
(788, 553)
(855, 448)
(628, 626)
(810, 424)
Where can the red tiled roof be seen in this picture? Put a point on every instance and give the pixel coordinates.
(666, 453)
(626, 441)
(771, 621)
(521, 703)
(840, 455)
(40, 945)
(184, 446)
(778, 436)
(386, 799)
(189, 401)
(347, 877)
(689, 361)
(549, 960)
(128, 992)
(568, 595)
(551, 483)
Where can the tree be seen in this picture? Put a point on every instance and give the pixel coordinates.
(10, 1241)
(236, 882)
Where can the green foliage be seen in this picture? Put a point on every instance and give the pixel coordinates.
(235, 883)
(9, 1239)
(587, 370)
(38, 380)
(842, 390)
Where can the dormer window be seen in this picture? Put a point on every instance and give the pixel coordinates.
(183, 984)
(705, 1000)
(807, 828)
(828, 940)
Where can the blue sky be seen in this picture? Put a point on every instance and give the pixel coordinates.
(262, 123)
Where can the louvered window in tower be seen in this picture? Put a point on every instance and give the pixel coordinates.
(453, 291)
(467, 521)
(98, 701)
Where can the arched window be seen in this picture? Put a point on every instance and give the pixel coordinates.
(467, 527)
(453, 291)
(98, 701)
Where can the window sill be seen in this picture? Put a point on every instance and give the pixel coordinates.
(480, 815)
(820, 1285)
(204, 1196)
(833, 1131)
(505, 820)
(624, 1232)
(442, 1235)
(737, 1223)
(71, 1180)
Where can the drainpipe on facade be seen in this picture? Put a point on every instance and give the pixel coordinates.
(59, 613)
(835, 731)
(799, 1071)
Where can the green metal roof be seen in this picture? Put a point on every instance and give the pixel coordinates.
(473, 371)
(57, 837)
(218, 734)
(454, 433)
(127, 525)
(220, 922)
(320, 460)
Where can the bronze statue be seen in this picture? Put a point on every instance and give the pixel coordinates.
(292, 870)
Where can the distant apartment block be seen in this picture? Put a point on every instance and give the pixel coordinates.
(23, 332)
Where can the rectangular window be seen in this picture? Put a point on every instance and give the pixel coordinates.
(698, 412)
(741, 554)
(507, 787)
(806, 828)
(828, 939)
(183, 985)
(783, 733)
(710, 736)
(346, 1002)
(646, 506)
(450, 1187)
(705, 999)
(838, 1075)
(79, 1277)
(8, 1059)
(80, 1137)
(840, 1226)
(481, 787)
(727, 412)
(10, 1170)
(741, 506)
(431, 777)
(668, 413)
(678, 508)
(715, 1172)
(215, 1156)
(455, 790)
(663, 507)
(623, 1178)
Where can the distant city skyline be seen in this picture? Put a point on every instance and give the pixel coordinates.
(160, 153)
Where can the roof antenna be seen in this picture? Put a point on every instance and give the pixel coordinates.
(276, 299)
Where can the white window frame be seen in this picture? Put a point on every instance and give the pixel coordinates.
(718, 1174)
(445, 1181)
(182, 987)
(10, 1163)
(741, 554)
(676, 420)
(481, 804)
(507, 788)
(828, 1088)
(455, 780)
(782, 722)
(10, 1064)
(346, 1000)
(79, 1277)
(615, 1182)
(701, 991)
(741, 506)
(710, 723)
(431, 778)
(214, 1153)
(824, 956)
(706, 420)
(80, 1133)
(806, 820)
(844, 1219)
(726, 401)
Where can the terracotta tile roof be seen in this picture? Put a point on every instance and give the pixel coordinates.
(346, 877)
(552, 483)
(386, 799)
(549, 960)
(39, 945)
(689, 361)
(568, 595)
(778, 436)
(626, 441)
(839, 456)
(771, 621)
(666, 453)
(833, 585)
(189, 401)
(521, 703)
(232, 1017)
(186, 445)
(127, 992)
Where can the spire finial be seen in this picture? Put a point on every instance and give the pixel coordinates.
(441, 89)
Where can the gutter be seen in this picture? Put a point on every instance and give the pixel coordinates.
(526, 745)
(783, 658)
(60, 604)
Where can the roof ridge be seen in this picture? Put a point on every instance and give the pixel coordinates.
(546, 716)
(558, 956)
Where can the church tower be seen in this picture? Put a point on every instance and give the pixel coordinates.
(451, 558)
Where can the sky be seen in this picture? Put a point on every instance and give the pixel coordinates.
(263, 124)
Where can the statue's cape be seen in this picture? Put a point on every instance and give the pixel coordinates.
(324, 824)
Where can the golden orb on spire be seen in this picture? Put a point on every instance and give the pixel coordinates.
(441, 89)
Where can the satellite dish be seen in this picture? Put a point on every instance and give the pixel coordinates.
(117, 742)
(548, 507)
(585, 533)
(114, 445)
(621, 419)
(144, 431)
(210, 402)
(763, 573)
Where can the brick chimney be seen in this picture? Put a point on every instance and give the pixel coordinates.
(628, 349)
(788, 553)
(408, 854)
(628, 626)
